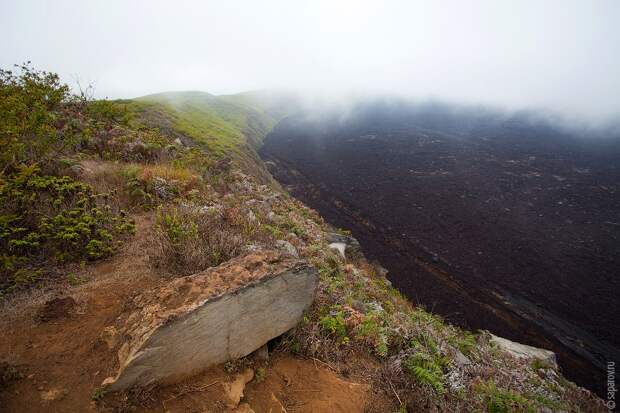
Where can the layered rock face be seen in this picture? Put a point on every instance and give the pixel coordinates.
(207, 318)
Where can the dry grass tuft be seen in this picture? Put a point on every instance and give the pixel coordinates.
(189, 239)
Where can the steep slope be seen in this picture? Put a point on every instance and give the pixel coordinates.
(472, 208)
(224, 122)
(229, 127)
(361, 347)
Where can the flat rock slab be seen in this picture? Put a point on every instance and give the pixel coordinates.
(223, 313)
(524, 351)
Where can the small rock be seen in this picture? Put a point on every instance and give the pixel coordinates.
(234, 389)
(374, 307)
(53, 394)
(339, 246)
(110, 337)
(287, 247)
(353, 246)
(273, 217)
(460, 359)
(262, 353)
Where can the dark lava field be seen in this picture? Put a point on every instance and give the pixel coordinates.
(495, 221)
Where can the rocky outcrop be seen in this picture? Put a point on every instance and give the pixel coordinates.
(524, 351)
(345, 244)
(207, 318)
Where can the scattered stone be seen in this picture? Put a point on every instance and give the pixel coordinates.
(287, 247)
(205, 319)
(460, 359)
(354, 250)
(524, 351)
(211, 209)
(56, 308)
(162, 188)
(110, 337)
(53, 395)
(234, 389)
(273, 217)
(262, 353)
(340, 247)
(374, 307)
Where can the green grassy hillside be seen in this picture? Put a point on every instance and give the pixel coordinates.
(221, 123)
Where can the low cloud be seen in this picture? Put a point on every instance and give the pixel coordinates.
(559, 55)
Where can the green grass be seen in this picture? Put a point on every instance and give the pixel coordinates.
(222, 124)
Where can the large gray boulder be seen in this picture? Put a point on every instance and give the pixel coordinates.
(205, 319)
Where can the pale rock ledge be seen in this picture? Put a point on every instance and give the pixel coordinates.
(201, 320)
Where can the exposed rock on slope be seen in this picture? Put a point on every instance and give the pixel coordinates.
(208, 318)
(524, 351)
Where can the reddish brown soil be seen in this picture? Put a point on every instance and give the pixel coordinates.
(64, 359)
(293, 384)
(66, 353)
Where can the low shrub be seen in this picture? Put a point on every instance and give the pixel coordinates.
(149, 185)
(373, 333)
(48, 219)
(191, 239)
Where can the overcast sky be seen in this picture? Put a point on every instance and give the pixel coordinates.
(563, 55)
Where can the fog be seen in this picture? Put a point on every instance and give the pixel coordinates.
(557, 55)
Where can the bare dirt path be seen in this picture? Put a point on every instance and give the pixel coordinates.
(64, 358)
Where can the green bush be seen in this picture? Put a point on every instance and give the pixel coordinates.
(32, 122)
(175, 227)
(333, 323)
(370, 330)
(53, 219)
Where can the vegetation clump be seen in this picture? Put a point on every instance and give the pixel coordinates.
(47, 217)
(51, 219)
(189, 239)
